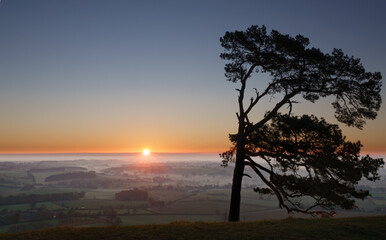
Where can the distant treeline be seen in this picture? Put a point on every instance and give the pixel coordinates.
(70, 176)
(132, 195)
(34, 198)
(58, 169)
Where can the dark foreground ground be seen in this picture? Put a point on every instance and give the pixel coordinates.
(343, 228)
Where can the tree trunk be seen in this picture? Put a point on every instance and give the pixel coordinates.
(238, 173)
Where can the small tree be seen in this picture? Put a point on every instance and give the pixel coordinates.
(304, 156)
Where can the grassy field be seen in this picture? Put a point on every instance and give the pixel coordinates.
(39, 190)
(167, 196)
(6, 191)
(98, 203)
(23, 207)
(380, 203)
(299, 229)
(379, 199)
(108, 194)
(16, 176)
(195, 207)
(19, 227)
(164, 219)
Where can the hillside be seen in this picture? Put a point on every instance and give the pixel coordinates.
(343, 228)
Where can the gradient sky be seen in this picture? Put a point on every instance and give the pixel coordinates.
(119, 76)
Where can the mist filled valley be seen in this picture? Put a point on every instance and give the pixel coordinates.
(113, 190)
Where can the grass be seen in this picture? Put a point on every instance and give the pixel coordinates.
(165, 219)
(20, 227)
(380, 199)
(108, 194)
(16, 176)
(195, 207)
(97, 203)
(24, 207)
(6, 191)
(50, 190)
(380, 203)
(344, 228)
(169, 195)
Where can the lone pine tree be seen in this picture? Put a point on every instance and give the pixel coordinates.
(303, 156)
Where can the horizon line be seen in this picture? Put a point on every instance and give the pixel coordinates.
(158, 152)
(138, 152)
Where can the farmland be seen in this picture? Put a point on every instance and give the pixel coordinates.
(177, 191)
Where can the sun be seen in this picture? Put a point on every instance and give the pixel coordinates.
(146, 152)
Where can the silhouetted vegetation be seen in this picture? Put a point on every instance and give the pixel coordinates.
(331, 165)
(299, 70)
(132, 195)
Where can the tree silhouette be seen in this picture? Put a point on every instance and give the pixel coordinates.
(304, 156)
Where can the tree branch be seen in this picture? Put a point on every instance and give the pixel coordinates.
(258, 165)
(276, 108)
(269, 184)
(249, 72)
(242, 90)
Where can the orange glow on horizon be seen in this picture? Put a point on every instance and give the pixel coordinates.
(373, 153)
(89, 143)
(214, 151)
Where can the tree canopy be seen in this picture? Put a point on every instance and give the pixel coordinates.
(296, 68)
(305, 156)
(308, 158)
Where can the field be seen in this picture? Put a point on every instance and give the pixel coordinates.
(20, 227)
(16, 176)
(23, 207)
(371, 228)
(168, 218)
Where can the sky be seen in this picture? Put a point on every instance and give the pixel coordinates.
(121, 76)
